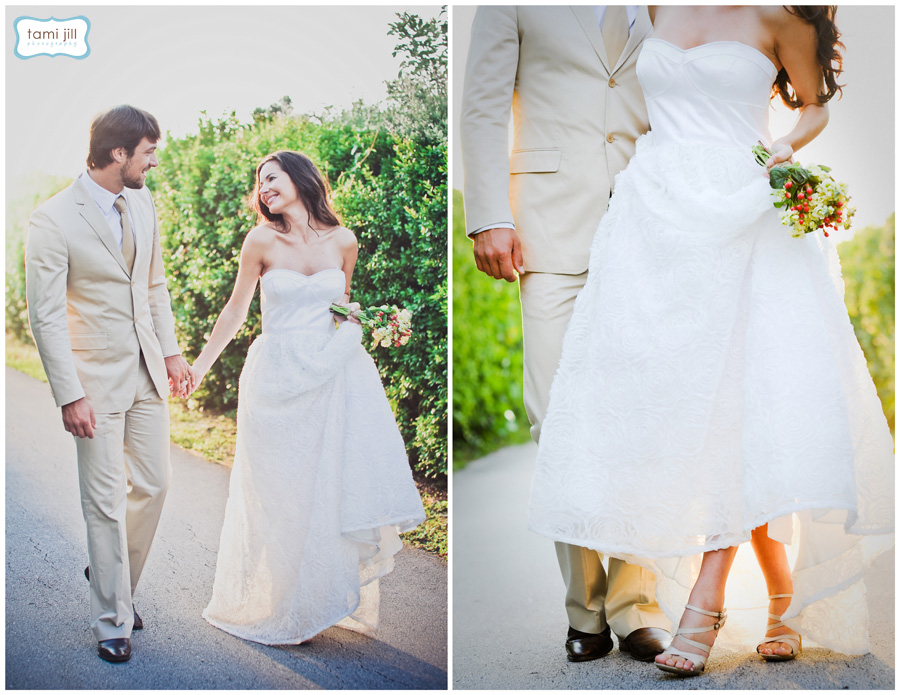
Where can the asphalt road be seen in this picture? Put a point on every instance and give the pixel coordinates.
(49, 644)
(509, 622)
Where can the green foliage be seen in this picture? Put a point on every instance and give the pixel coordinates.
(867, 262)
(487, 353)
(417, 99)
(16, 310)
(432, 534)
(39, 188)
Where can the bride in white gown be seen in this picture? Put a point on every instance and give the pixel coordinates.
(711, 390)
(321, 485)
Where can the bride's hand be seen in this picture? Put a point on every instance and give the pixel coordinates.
(354, 310)
(780, 152)
(196, 378)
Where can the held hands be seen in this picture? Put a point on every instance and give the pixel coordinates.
(498, 252)
(197, 378)
(78, 418)
(181, 377)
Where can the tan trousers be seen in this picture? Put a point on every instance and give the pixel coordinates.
(622, 598)
(123, 475)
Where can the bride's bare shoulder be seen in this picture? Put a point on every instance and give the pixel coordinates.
(780, 20)
(345, 238)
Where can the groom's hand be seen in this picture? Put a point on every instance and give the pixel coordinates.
(181, 378)
(498, 252)
(78, 418)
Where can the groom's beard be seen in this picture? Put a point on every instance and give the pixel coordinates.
(133, 177)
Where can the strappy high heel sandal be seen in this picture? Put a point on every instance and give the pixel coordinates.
(698, 660)
(796, 641)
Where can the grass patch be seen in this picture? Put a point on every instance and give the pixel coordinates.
(431, 535)
(212, 436)
(23, 357)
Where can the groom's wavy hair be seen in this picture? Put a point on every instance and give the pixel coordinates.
(821, 17)
(311, 185)
(121, 126)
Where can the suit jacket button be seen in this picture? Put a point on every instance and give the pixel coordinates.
(612, 81)
(610, 138)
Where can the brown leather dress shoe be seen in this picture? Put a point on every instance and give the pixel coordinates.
(114, 650)
(138, 623)
(645, 643)
(584, 646)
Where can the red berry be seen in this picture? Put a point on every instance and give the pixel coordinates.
(788, 184)
(839, 203)
(826, 233)
(809, 190)
(806, 208)
(800, 196)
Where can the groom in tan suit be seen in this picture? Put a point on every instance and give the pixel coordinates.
(100, 315)
(569, 75)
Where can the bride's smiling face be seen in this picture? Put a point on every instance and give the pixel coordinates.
(276, 190)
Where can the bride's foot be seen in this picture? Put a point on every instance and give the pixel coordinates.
(687, 656)
(772, 650)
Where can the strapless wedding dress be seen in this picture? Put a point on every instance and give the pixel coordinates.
(710, 380)
(321, 485)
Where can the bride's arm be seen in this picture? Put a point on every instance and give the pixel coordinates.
(795, 46)
(234, 314)
(349, 251)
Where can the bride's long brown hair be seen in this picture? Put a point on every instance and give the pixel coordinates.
(311, 185)
(830, 58)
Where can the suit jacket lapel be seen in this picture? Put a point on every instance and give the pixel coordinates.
(639, 31)
(588, 20)
(91, 214)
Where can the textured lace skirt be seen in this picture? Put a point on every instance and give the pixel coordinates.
(320, 489)
(711, 382)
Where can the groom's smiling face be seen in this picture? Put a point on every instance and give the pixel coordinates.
(135, 167)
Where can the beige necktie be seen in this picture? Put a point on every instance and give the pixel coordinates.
(127, 234)
(615, 32)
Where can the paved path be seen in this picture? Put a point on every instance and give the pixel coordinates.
(509, 622)
(49, 643)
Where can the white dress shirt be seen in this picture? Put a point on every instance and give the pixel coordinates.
(631, 12)
(105, 200)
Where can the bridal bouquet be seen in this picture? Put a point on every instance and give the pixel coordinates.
(389, 325)
(809, 198)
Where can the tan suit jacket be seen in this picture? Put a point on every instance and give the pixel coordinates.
(575, 122)
(91, 319)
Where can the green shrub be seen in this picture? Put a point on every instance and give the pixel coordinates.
(487, 353)
(867, 262)
(39, 188)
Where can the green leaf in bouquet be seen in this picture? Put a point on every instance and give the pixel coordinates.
(778, 176)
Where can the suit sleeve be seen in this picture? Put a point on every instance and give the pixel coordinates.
(489, 81)
(46, 274)
(158, 293)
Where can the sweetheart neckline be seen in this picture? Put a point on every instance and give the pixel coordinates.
(712, 43)
(297, 272)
